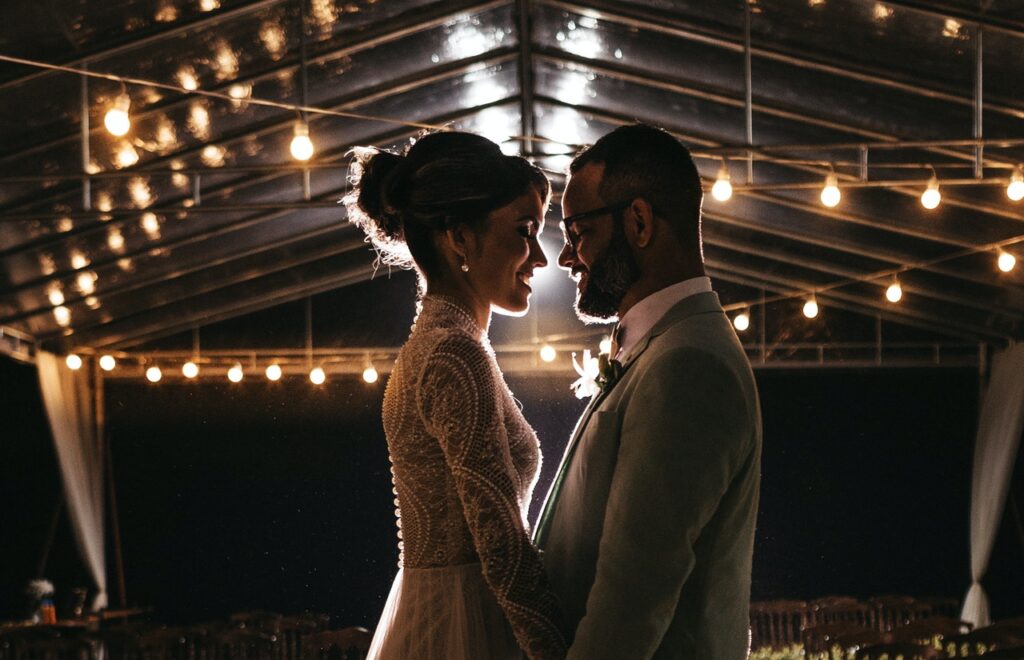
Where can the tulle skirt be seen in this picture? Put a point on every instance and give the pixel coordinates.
(443, 613)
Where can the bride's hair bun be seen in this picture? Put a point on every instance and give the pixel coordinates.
(371, 206)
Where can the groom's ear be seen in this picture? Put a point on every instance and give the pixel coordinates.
(638, 222)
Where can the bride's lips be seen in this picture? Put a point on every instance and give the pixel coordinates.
(524, 278)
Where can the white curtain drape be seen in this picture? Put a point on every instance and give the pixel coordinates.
(995, 452)
(70, 406)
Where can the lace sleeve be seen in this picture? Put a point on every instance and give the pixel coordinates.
(459, 404)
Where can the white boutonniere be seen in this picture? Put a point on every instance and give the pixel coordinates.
(596, 374)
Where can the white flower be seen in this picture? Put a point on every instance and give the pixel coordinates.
(39, 588)
(586, 385)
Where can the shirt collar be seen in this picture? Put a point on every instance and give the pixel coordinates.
(641, 317)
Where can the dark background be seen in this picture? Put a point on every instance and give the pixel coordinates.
(278, 496)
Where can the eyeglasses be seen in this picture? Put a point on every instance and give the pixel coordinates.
(571, 220)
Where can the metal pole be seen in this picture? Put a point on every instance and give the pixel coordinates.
(979, 106)
(762, 335)
(86, 182)
(527, 119)
(748, 85)
(103, 443)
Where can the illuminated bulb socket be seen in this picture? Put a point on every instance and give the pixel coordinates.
(235, 373)
(153, 374)
(548, 353)
(1006, 261)
(302, 146)
(894, 293)
(274, 372)
(722, 190)
(73, 361)
(107, 363)
(931, 197)
(117, 120)
(370, 375)
(62, 315)
(1015, 191)
(55, 295)
(830, 194)
(741, 321)
(811, 308)
(190, 369)
(317, 376)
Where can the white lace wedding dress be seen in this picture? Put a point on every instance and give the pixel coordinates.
(470, 585)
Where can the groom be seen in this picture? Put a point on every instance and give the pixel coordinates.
(648, 530)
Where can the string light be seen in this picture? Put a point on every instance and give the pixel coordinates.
(302, 146)
(1015, 191)
(895, 292)
(811, 307)
(722, 190)
(153, 374)
(274, 372)
(370, 374)
(741, 321)
(190, 369)
(117, 120)
(107, 363)
(317, 376)
(830, 194)
(86, 282)
(931, 197)
(235, 373)
(73, 361)
(55, 294)
(1006, 261)
(548, 353)
(62, 315)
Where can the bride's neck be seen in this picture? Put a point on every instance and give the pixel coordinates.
(464, 296)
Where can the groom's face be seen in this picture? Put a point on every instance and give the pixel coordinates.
(596, 252)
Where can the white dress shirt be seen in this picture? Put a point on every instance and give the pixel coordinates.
(641, 317)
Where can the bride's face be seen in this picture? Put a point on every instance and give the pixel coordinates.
(506, 253)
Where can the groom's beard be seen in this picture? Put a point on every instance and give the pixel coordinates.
(608, 280)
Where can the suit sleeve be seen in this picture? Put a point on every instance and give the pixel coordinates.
(684, 435)
(458, 400)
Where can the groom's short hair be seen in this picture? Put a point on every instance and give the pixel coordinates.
(644, 161)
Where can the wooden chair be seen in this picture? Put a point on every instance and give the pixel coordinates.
(346, 644)
(893, 611)
(244, 644)
(930, 630)
(777, 623)
(897, 652)
(841, 609)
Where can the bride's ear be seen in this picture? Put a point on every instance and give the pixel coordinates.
(461, 240)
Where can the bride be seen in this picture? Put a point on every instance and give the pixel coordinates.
(464, 461)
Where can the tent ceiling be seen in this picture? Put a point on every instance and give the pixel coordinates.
(199, 214)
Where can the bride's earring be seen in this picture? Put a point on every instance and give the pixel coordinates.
(465, 266)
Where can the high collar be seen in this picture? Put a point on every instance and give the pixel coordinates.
(440, 311)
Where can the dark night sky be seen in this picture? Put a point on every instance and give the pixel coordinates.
(277, 496)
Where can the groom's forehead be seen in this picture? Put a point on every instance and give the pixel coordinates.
(582, 188)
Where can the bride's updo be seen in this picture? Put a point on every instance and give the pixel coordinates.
(443, 180)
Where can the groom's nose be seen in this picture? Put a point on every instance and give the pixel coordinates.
(567, 257)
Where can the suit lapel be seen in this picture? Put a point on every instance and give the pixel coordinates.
(696, 304)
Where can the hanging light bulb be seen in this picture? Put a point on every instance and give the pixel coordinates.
(931, 197)
(741, 321)
(107, 363)
(235, 373)
(153, 374)
(811, 308)
(86, 282)
(722, 190)
(370, 374)
(302, 146)
(1015, 191)
(73, 361)
(274, 372)
(1006, 261)
(190, 369)
(895, 292)
(62, 315)
(605, 346)
(116, 120)
(830, 194)
(55, 294)
(317, 376)
(548, 353)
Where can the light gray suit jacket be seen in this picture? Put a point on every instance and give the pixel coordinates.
(648, 530)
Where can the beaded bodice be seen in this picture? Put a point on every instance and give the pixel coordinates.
(464, 462)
